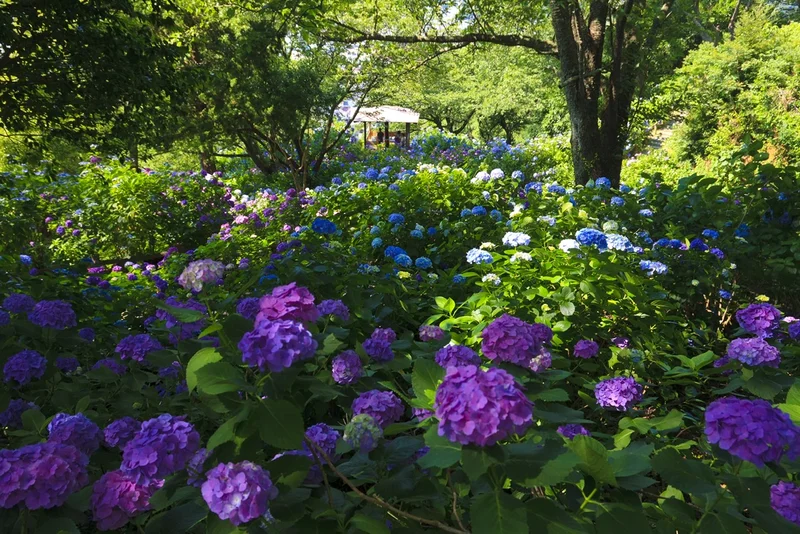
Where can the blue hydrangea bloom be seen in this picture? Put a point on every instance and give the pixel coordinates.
(557, 189)
(423, 263)
(394, 187)
(459, 279)
(653, 267)
(466, 212)
(603, 183)
(617, 201)
(371, 174)
(397, 218)
(25, 259)
(516, 239)
(590, 236)
(375, 230)
(698, 244)
(534, 186)
(478, 256)
(743, 230)
(725, 295)
(392, 251)
(619, 242)
(323, 226)
(417, 234)
(624, 188)
(479, 210)
(551, 221)
(402, 260)
(377, 242)
(646, 212)
(432, 230)
(517, 175)
(711, 234)
(496, 215)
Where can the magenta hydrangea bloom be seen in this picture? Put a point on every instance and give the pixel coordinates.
(56, 314)
(509, 339)
(238, 492)
(117, 498)
(754, 351)
(334, 307)
(137, 347)
(384, 334)
(19, 303)
(76, 430)
(324, 437)
(276, 345)
(456, 355)
(760, 319)
(379, 350)
(785, 499)
(288, 302)
(200, 273)
(162, 446)
(481, 407)
(118, 433)
(24, 366)
(429, 332)
(248, 308)
(752, 430)
(42, 475)
(347, 368)
(384, 406)
(586, 348)
(194, 469)
(572, 430)
(12, 416)
(115, 366)
(618, 393)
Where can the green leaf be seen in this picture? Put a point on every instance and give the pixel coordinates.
(216, 327)
(552, 395)
(280, 424)
(183, 315)
(83, 403)
(623, 438)
(793, 410)
(539, 464)
(498, 513)
(33, 420)
(368, 524)
(632, 460)
(219, 377)
(546, 516)
(620, 518)
(720, 524)
(442, 453)
(179, 519)
(672, 420)
(330, 345)
(201, 358)
(215, 525)
(701, 360)
(567, 308)
(227, 431)
(594, 459)
(476, 461)
(686, 474)
(58, 525)
(425, 379)
(446, 304)
(793, 397)
(762, 386)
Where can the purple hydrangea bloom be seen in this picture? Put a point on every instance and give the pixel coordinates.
(12, 416)
(115, 366)
(276, 345)
(42, 475)
(363, 432)
(248, 308)
(187, 330)
(586, 348)
(570, 431)
(238, 492)
(618, 393)
(751, 429)
(621, 342)
(429, 332)
(56, 314)
(509, 339)
(456, 356)
(334, 307)
(120, 432)
(754, 351)
(137, 347)
(347, 368)
(288, 302)
(67, 364)
(19, 303)
(785, 499)
(76, 430)
(86, 334)
(384, 406)
(194, 469)
(201, 273)
(5, 318)
(324, 437)
(481, 407)
(759, 319)
(794, 330)
(384, 334)
(162, 446)
(379, 350)
(25, 366)
(421, 413)
(117, 498)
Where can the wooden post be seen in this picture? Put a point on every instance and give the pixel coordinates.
(386, 136)
(408, 135)
(365, 135)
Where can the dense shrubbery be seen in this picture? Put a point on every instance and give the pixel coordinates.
(447, 339)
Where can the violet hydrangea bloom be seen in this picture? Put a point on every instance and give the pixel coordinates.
(618, 393)
(334, 307)
(288, 302)
(509, 339)
(56, 314)
(24, 366)
(759, 319)
(570, 431)
(384, 406)
(621, 342)
(5, 318)
(19, 303)
(456, 355)
(137, 347)
(194, 469)
(794, 330)
(379, 350)
(238, 492)
(248, 308)
(117, 498)
(118, 433)
(586, 348)
(384, 334)
(67, 364)
(42, 475)
(481, 407)
(752, 430)
(785, 499)
(115, 366)
(347, 368)
(162, 446)
(276, 345)
(12, 416)
(362, 432)
(200, 273)
(187, 330)
(429, 332)
(754, 351)
(324, 437)
(86, 334)
(76, 430)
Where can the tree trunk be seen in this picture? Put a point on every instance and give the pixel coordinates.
(207, 162)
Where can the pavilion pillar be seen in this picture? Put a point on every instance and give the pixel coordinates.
(386, 136)
(408, 135)
(365, 135)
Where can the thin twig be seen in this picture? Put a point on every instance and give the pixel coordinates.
(321, 468)
(455, 502)
(377, 501)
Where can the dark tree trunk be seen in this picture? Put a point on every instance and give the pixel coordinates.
(207, 162)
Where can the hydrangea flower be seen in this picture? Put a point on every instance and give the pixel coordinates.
(751, 430)
(619, 242)
(334, 307)
(276, 345)
(569, 244)
(42, 475)
(25, 366)
(137, 347)
(200, 273)
(557, 189)
(238, 492)
(403, 260)
(603, 183)
(653, 267)
(362, 432)
(19, 303)
(429, 332)
(725, 295)
(711, 234)
(162, 446)
(588, 237)
(646, 212)
(76, 430)
(785, 499)
(618, 393)
(423, 263)
(118, 433)
(459, 279)
(384, 406)
(617, 201)
(248, 307)
(323, 437)
(794, 330)
(516, 239)
(456, 355)
(396, 218)
(385, 334)
(478, 256)
(479, 211)
(379, 350)
(86, 334)
(754, 351)
(481, 407)
(323, 226)
(347, 368)
(377, 242)
(717, 253)
(115, 366)
(761, 319)
(509, 339)
(698, 244)
(586, 348)
(12, 416)
(497, 174)
(194, 468)
(288, 302)
(391, 251)
(572, 430)
(56, 314)
(117, 498)
(5, 318)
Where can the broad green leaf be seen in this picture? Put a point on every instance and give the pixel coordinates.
(425, 379)
(368, 524)
(498, 513)
(183, 315)
(567, 308)
(720, 524)
(201, 358)
(33, 420)
(227, 431)
(672, 420)
(793, 410)
(82, 404)
(544, 515)
(619, 518)
(179, 519)
(543, 464)
(476, 460)
(686, 474)
(594, 459)
(442, 453)
(280, 424)
(632, 460)
(552, 395)
(216, 327)
(330, 345)
(57, 526)
(219, 377)
(793, 397)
